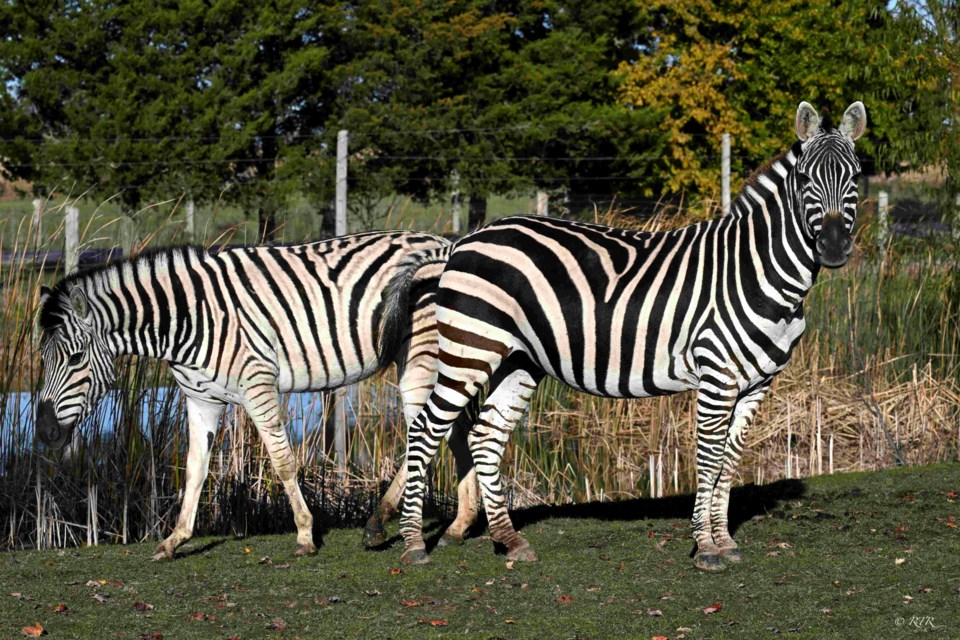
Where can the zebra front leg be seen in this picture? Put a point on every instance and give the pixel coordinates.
(505, 405)
(263, 405)
(713, 418)
(742, 418)
(203, 418)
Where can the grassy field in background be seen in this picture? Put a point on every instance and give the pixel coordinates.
(101, 223)
(867, 555)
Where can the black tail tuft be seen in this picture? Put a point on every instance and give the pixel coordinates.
(395, 311)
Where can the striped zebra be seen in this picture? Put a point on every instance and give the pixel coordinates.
(242, 326)
(716, 307)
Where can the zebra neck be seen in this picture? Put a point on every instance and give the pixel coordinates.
(768, 216)
(130, 310)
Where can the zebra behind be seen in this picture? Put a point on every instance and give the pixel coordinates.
(241, 326)
(715, 307)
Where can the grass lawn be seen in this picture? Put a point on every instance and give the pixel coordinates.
(847, 556)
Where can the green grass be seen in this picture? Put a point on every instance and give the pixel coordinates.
(821, 561)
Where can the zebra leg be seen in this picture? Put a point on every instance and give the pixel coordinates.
(262, 403)
(504, 407)
(740, 422)
(459, 381)
(714, 406)
(203, 418)
(468, 503)
(417, 377)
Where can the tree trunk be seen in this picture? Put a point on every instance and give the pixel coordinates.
(478, 212)
(328, 222)
(267, 227)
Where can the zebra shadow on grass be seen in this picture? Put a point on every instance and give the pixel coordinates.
(746, 502)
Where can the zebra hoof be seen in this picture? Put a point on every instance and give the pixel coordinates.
(449, 540)
(162, 553)
(523, 554)
(372, 536)
(415, 556)
(708, 561)
(731, 556)
(305, 550)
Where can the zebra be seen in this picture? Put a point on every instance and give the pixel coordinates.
(241, 326)
(716, 307)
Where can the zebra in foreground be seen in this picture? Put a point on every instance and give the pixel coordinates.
(716, 307)
(241, 326)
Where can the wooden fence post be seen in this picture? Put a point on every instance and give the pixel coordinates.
(725, 173)
(456, 207)
(340, 228)
(882, 219)
(71, 240)
(543, 203)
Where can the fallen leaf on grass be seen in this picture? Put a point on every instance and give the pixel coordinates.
(510, 621)
(99, 597)
(411, 603)
(396, 571)
(713, 608)
(654, 612)
(247, 550)
(659, 638)
(283, 565)
(509, 564)
(142, 606)
(156, 635)
(899, 561)
(433, 623)
(199, 615)
(60, 608)
(564, 599)
(277, 625)
(265, 560)
(34, 631)
(372, 592)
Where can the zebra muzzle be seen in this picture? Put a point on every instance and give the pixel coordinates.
(49, 430)
(834, 243)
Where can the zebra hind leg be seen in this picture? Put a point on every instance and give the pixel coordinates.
(506, 404)
(740, 422)
(263, 406)
(468, 502)
(203, 418)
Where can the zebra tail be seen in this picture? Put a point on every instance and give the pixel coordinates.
(396, 312)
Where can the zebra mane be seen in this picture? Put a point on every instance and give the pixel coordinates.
(56, 305)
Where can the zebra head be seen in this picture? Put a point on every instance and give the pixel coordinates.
(77, 365)
(828, 171)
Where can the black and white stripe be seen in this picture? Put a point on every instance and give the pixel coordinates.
(241, 326)
(716, 307)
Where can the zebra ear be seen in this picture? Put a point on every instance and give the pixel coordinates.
(45, 293)
(854, 121)
(807, 122)
(78, 303)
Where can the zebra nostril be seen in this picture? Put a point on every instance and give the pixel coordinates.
(848, 246)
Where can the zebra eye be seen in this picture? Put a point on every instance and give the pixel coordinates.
(75, 359)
